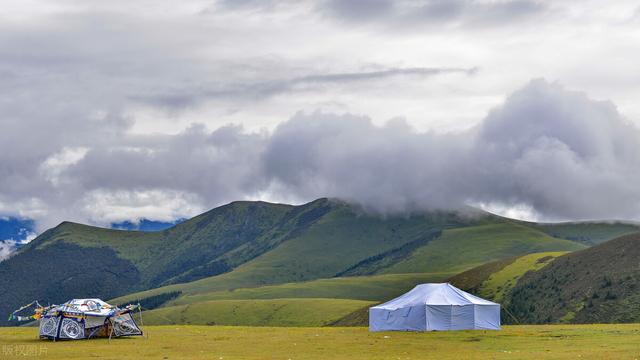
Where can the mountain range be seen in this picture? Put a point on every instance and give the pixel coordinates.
(320, 263)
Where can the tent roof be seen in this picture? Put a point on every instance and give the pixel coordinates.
(434, 294)
(91, 307)
(84, 301)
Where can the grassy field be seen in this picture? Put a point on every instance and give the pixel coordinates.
(230, 343)
(310, 303)
(272, 312)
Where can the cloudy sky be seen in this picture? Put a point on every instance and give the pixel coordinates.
(121, 110)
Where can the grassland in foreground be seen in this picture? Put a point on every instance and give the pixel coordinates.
(229, 343)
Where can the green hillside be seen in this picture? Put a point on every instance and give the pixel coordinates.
(210, 243)
(588, 233)
(453, 251)
(245, 245)
(368, 289)
(339, 240)
(274, 312)
(497, 279)
(371, 288)
(478, 245)
(499, 284)
(73, 260)
(599, 284)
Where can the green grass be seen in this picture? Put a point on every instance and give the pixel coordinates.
(372, 288)
(252, 343)
(464, 248)
(472, 279)
(599, 284)
(273, 312)
(342, 291)
(589, 233)
(501, 282)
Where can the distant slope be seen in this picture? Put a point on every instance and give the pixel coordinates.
(369, 289)
(495, 280)
(275, 312)
(599, 284)
(460, 249)
(372, 288)
(499, 284)
(145, 225)
(588, 233)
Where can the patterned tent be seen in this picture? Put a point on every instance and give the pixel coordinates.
(83, 319)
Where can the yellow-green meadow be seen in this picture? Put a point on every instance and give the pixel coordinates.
(237, 342)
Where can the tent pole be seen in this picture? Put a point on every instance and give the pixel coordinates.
(110, 332)
(510, 314)
(142, 322)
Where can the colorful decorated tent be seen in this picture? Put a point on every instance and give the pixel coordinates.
(82, 319)
(430, 307)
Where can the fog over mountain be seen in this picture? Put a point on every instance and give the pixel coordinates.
(551, 150)
(156, 110)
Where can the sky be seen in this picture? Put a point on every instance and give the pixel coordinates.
(126, 110)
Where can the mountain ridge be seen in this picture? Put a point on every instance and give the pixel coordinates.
(248, 244)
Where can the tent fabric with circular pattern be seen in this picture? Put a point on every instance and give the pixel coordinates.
(86, 318)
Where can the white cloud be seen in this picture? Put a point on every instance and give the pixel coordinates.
(55, 164)
(9, 246)
(106, 207)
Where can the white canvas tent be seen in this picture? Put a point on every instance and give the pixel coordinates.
(429, 307)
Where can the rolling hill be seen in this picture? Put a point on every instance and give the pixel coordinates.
(495, 280)
(255, 250)
(353, 246)
(599, 284)
(273, 312)
(596, 285)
